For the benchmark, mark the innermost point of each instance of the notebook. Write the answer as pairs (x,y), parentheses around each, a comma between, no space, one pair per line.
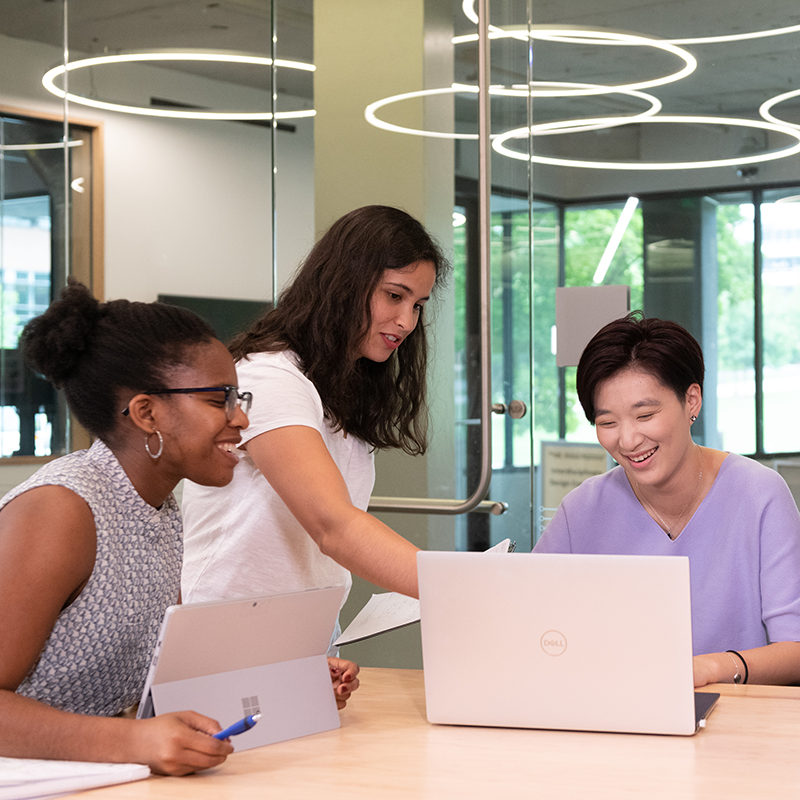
(573,642)
(22,778)
(233,658)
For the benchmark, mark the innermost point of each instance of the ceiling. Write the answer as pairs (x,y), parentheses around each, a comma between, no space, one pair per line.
(111,26)
(732,78)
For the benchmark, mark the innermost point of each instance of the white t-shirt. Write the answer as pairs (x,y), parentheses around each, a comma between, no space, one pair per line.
(241,540)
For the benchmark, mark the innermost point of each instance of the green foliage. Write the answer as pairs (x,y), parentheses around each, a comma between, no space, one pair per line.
(735,332)
(587,234)
(525,274)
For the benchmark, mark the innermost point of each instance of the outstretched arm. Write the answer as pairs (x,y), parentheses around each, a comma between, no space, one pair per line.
(300,469)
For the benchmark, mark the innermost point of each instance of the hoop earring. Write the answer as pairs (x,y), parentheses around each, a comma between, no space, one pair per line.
(154,456)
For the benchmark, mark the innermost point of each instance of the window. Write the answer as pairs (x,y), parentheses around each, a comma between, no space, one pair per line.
(726,266)
(34,263)
(779,322)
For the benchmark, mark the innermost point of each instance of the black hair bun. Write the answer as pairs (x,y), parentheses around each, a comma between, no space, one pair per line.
(55,342)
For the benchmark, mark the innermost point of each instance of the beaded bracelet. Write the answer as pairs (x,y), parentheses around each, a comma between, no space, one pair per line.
(738,674)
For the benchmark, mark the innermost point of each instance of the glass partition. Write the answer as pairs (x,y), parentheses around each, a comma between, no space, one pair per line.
(780,304)
(31,267)
(50,212)
(651,146)
(665,146)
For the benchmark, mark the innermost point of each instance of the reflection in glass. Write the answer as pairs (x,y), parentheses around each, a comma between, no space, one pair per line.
(780,287)
(588,229)
(31,194)
(735,352)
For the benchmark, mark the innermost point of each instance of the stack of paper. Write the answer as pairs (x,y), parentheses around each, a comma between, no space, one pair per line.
(30,777)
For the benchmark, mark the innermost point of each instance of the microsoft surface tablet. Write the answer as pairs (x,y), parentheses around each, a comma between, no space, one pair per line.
(233,658)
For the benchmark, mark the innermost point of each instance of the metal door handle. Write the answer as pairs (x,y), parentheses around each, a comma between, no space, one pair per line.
(475,502)
(516,409)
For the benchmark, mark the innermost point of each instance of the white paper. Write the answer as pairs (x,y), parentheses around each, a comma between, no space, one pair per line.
(389,611)
(383,612)
(30,777)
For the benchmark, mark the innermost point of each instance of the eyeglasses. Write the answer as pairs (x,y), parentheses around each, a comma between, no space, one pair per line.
(233,397)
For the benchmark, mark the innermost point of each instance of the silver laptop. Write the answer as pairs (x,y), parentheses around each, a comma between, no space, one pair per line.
(233,658)
(574,642)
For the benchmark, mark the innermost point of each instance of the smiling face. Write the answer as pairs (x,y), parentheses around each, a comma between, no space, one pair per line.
(395,307)
(646,427)
(199,440)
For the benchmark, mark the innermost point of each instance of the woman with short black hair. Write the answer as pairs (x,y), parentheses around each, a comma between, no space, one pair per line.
(640,382)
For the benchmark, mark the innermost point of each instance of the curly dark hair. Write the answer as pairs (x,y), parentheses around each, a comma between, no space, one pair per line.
(95,351)
(664,349)
(324,315)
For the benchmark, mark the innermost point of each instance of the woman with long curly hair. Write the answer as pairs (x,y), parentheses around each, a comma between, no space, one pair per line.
(337,370)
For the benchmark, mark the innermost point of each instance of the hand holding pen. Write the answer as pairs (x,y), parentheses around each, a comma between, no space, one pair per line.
(238,727)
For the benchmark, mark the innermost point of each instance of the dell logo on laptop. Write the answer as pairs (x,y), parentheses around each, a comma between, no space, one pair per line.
(554,643)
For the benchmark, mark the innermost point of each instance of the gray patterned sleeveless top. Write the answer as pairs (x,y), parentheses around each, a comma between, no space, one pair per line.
(97,657)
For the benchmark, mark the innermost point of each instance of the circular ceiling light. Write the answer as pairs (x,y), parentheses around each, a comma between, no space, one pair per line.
(369,112)
(499,145)
(764,108)
(468,7)
(564,126)
(601,38)
(738,37)
(48,80)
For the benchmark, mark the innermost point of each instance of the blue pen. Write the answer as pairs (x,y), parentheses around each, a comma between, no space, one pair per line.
(238,727)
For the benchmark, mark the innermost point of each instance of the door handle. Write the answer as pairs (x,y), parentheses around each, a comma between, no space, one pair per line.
(516,409)
(475,502)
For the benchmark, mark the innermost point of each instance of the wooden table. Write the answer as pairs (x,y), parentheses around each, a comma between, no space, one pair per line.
(387,749)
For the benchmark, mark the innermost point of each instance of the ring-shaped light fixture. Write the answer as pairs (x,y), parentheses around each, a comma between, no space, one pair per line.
(468,7)
(369,112)
(764,108)
(603,38)
(738,37)
(40,145)
(592,123)
(48,80)
(563,126)
(499,146)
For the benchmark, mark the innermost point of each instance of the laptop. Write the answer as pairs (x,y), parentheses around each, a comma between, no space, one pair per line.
(571,642)
(233,658)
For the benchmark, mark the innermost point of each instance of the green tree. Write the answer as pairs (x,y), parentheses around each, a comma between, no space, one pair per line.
(735,342)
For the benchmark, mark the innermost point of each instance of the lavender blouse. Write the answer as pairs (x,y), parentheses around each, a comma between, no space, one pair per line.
(743,544)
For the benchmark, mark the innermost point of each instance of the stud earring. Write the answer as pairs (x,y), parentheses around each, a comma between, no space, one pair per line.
(154,456)
(694,418)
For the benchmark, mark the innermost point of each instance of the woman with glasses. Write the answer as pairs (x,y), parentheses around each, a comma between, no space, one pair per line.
(90,546)
(337,371)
